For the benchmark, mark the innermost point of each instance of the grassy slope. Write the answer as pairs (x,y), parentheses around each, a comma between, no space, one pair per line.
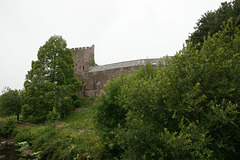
(72,137)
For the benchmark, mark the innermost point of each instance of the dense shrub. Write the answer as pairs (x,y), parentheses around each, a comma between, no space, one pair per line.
(53,116)
(186,110)
(24,136)
(27,111)
(80,104)
(7,129)
(54,144)
(77,103)
(111,112)
(66,106)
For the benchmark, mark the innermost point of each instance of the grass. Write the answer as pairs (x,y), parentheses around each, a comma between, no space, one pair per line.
(73,137)
(5,119)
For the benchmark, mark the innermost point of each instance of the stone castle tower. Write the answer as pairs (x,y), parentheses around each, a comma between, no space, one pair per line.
(83,60)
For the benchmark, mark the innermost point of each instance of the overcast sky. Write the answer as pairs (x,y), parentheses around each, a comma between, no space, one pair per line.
(121,30)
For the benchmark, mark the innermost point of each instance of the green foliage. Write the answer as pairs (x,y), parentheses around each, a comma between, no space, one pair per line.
(29,116)
(93,63)
(10,103)
(77,103)
(24,136)
(211,22)
(188,109)
(109,114)
(66,107)
(50,81)
(53,144)
(109,110)
(7,129)
(223,126)
(72,137)
(80,104)
(53,116)
(23,146)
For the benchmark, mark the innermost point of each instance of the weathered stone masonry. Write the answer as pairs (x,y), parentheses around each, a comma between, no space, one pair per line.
(95,77)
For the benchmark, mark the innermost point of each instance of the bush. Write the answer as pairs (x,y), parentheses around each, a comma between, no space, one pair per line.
(7,129)
(78,103)
(24,135)
(27,111)
(54,144)
(26,155)
(111,111)
(186,110)
(53,116)
(43,135)
(66,107)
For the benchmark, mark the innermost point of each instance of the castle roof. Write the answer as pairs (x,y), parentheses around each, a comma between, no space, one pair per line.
(124,64)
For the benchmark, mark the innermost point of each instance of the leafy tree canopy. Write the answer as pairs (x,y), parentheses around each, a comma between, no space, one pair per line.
(50,80)
(210,23)
(10,103)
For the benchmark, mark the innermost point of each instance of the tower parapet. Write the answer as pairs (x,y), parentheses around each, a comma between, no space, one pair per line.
(83,48)
(83,59)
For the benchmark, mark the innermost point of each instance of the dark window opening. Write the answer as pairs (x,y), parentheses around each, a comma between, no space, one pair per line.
(83,67)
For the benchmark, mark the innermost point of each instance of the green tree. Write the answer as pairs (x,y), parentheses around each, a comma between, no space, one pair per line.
(67,105)
(210,23)
(110,113)
(188,109)
(50,80)
(10,103)
(110,110)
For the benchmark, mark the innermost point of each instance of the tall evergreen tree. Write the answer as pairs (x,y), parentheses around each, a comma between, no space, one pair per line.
(50,80)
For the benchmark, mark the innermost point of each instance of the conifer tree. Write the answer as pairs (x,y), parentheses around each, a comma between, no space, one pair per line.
(50,80)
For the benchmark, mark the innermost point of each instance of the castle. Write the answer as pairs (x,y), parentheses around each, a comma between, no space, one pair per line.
(94,77)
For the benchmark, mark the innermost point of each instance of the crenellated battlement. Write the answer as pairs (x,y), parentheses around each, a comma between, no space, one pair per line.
(83,48)
(83,59)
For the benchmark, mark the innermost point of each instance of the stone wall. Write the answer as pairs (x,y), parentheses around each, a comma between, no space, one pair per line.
(95,77)
(95,81)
